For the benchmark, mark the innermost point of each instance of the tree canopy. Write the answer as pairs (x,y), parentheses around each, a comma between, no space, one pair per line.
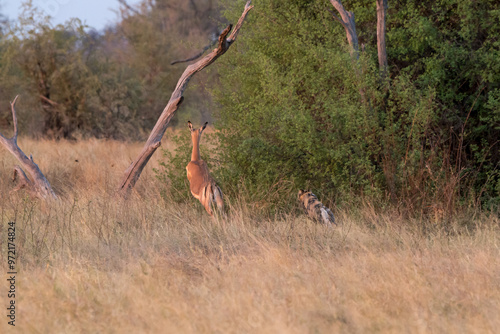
(295,106)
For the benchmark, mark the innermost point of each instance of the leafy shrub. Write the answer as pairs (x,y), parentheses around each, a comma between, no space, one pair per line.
(294,106)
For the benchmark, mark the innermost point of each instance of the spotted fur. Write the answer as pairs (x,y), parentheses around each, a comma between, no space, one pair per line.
(314,208)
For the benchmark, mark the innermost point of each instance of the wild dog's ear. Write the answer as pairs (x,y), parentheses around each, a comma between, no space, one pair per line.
(190,126)
(301,192)
(204,126)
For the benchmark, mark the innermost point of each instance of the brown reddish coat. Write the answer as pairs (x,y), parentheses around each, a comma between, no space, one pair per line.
(201,183)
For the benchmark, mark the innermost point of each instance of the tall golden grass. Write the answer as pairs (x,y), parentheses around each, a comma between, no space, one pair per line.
(92,263)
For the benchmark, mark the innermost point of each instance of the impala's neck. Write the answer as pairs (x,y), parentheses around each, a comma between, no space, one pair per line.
(195,154)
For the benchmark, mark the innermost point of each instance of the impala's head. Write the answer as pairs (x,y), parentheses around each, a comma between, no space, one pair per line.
(196,133)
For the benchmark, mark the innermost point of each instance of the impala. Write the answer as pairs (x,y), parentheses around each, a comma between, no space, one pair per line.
(201,184)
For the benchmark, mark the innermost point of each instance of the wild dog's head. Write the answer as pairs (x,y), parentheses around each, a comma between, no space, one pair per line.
(302,193)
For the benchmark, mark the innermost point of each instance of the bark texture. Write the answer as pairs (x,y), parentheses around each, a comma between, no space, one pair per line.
(133,173)
(38,186)
(382,53)
(348,22)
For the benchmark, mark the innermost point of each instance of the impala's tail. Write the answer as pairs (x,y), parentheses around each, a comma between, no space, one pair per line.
(315,209)
(211,197)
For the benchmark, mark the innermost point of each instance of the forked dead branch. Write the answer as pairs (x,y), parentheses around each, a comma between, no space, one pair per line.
(38,186)
(134,171)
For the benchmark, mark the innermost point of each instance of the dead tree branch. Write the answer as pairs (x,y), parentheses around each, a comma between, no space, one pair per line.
(134,171)
(335,16)
(349,24)
(198,55)
(39,187)
(382,53)
(49,101)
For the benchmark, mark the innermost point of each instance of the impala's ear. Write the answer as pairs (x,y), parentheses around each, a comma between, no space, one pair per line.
(190,126)
(204,126)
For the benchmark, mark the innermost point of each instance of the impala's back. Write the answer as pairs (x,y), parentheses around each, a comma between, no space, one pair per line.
(198,176)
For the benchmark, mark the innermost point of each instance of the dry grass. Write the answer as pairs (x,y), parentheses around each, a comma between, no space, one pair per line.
(94,264)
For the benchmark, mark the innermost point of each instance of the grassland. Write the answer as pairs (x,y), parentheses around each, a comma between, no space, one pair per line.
(91,263)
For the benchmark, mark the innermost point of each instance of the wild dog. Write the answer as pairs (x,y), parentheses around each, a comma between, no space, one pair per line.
(201,183)
(314,208)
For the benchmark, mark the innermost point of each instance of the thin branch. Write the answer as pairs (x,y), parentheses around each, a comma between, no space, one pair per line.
(14,117)
(124,3)
(212,43)
(49,101)
(336,17)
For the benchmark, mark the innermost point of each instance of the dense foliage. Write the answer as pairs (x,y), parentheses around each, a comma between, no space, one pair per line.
(294,108)
(295,105)
(79,82)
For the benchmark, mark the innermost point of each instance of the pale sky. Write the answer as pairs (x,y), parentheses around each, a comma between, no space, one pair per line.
(95,13)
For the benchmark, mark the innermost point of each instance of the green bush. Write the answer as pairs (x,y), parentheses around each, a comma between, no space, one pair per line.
(294,106)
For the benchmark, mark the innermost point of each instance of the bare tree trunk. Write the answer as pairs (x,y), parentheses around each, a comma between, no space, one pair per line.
(382,53)
(39,187)
(348,22)
(133,173)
